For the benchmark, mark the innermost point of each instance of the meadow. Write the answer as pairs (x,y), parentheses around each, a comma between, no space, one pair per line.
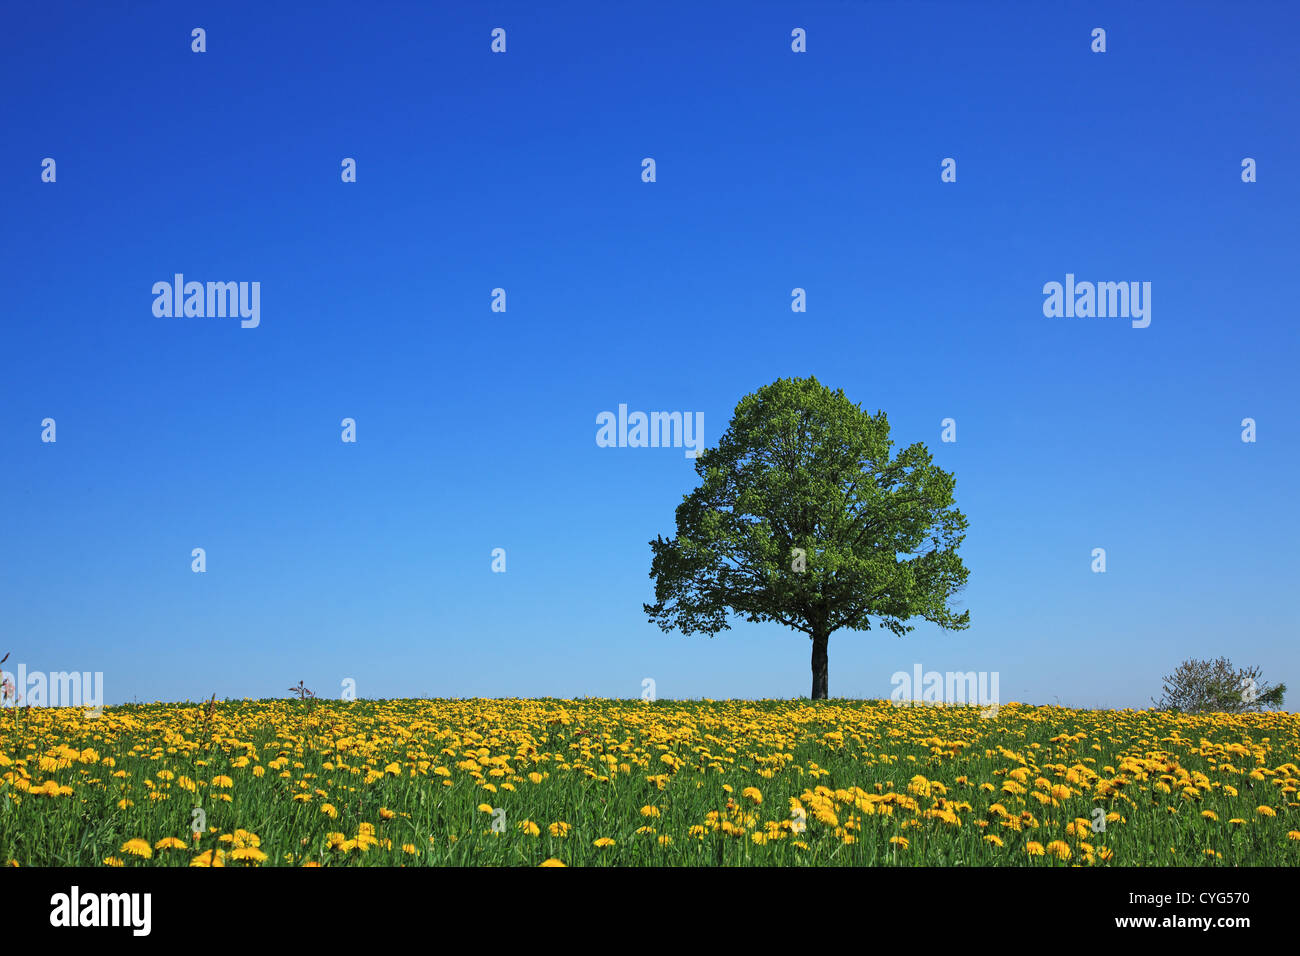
(630,783)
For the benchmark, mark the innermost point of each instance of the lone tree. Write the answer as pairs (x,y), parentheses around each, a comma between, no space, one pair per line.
(1202,686)
(803,517)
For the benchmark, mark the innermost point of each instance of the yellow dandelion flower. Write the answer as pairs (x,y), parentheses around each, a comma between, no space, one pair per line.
(137,847)
(1059,849)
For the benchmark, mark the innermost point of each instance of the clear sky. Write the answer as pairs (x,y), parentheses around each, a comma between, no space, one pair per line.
(476,429)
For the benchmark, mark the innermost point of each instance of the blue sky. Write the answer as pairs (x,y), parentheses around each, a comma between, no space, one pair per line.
(476,430)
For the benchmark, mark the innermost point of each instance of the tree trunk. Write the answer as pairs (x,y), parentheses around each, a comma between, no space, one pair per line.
(820,675)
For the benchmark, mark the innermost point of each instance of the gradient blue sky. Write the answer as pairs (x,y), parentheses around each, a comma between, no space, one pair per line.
(477,430)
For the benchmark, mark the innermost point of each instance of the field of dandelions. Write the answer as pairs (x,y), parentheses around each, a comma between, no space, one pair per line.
(629,783)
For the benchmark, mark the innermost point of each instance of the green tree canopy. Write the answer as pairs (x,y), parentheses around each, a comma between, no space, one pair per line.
(805,517)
